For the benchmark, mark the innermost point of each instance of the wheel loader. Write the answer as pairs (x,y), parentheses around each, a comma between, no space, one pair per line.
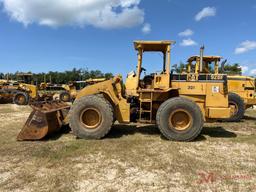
(242,89)
(177,103)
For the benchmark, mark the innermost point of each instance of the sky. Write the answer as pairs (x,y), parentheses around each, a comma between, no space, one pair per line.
(46,35)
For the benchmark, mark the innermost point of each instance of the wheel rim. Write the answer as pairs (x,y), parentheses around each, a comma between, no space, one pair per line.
(91,118)
(21,99)
(234,108)
(180,120)
(65,97)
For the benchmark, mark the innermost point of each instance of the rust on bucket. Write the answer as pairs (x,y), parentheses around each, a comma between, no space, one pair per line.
(45,119)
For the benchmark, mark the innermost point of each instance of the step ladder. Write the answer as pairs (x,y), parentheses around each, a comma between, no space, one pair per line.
(146,108)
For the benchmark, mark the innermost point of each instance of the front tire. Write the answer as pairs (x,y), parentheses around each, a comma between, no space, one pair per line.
(180,119)
(91,117)
(238,107)
(21,98)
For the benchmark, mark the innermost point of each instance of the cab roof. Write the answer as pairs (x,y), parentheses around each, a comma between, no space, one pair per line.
(160,46)
(205,58)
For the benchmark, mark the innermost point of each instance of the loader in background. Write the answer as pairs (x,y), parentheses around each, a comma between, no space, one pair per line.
(67,92)
(20,93)
(72,89)
(62,92)
(242,89)
(177,103)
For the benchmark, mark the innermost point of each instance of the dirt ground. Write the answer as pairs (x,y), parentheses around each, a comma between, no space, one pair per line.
(131,158)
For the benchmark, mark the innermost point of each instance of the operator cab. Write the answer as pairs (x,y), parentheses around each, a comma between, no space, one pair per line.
(136,81)
(210,64)
(204,68)
(26,78)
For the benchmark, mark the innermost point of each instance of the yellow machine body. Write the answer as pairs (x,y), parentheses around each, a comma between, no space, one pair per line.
(163,86)
(29,88)
(154,89)
(243,86)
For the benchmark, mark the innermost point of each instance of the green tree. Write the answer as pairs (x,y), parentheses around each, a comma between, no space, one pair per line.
(62,77)
(233,69)
(179,68)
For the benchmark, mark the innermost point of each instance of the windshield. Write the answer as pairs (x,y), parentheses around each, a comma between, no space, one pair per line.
(208,66)
(152,63)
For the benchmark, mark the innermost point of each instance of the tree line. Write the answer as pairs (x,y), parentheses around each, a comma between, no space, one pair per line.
(84,74)
(60,77)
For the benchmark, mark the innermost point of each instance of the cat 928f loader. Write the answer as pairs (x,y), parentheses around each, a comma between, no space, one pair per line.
(175,103)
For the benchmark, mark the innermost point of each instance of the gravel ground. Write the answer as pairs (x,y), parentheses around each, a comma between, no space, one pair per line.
(130,158)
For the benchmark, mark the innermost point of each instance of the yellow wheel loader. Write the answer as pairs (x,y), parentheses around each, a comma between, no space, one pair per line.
(241,88)
(178,104)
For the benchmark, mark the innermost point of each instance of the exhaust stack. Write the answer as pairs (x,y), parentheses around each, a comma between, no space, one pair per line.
(201,58)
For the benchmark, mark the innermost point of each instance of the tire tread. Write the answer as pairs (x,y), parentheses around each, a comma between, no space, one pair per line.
(173,101)
(92,98)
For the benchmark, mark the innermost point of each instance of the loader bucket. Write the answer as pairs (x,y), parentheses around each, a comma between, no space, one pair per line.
(45,119)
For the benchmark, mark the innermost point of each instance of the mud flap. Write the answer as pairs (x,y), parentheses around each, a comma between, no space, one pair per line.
(45,119)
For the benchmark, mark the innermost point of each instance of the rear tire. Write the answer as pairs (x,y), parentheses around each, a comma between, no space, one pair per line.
(65,97)
(91,117)
(238,106)
(180,119)
(21,98)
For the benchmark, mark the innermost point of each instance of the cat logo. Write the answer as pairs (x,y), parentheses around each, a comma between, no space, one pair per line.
(191,77)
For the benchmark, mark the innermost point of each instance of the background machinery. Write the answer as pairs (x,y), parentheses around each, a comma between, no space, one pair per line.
(241,88)
(21,91)
(72,89)
(177,103)
(67,92)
